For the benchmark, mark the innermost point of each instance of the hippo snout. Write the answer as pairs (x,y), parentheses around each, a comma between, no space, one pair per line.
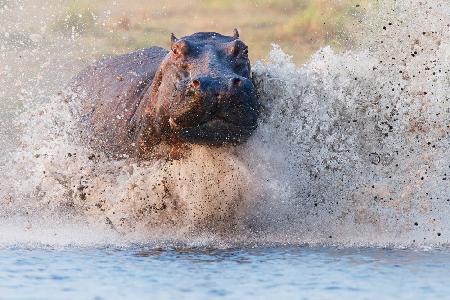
(205,83)
(216,110)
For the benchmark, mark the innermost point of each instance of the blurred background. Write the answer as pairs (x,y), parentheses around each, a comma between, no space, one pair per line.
(299,26)
(116,26)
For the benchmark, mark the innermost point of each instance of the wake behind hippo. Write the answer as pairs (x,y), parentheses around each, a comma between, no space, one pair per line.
(199,92)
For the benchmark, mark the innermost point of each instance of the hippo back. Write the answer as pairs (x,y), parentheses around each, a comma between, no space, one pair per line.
(106,95)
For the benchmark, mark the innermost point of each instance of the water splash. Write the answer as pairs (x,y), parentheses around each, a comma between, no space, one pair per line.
(353,149)
(362,138)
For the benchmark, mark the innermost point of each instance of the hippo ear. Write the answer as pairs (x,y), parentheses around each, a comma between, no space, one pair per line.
(235,33)
(173,38)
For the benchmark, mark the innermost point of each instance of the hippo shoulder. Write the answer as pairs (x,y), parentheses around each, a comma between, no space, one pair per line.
(140,62)
(106,94)
(112,76)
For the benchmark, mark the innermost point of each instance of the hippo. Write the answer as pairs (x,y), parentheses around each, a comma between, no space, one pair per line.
(199,92)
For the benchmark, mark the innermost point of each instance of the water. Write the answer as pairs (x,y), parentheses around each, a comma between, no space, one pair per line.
(206,273)
(342,192)
(352,150)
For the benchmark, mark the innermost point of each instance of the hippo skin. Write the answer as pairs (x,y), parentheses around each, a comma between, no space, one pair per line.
(199,92)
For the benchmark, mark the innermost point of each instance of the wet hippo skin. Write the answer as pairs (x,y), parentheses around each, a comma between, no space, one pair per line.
(199,92)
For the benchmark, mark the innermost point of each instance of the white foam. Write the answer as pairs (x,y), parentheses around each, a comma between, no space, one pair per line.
(352,149)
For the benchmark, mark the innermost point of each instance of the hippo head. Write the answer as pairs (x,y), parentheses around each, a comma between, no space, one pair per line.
(203,92)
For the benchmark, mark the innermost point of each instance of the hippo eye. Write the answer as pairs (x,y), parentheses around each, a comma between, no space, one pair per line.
(234,50)
(177,51)
(180,48)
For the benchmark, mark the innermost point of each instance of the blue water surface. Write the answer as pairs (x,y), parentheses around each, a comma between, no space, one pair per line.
(141,272)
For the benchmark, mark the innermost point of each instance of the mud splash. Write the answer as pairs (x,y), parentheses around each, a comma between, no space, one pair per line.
(353,149)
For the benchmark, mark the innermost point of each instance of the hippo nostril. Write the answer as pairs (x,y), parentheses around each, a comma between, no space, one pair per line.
(236,81)
(195,84)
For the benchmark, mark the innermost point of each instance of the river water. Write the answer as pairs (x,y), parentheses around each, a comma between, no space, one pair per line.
(146,272)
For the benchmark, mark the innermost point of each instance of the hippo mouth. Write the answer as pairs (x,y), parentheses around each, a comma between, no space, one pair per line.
(217,115)
(215,132)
